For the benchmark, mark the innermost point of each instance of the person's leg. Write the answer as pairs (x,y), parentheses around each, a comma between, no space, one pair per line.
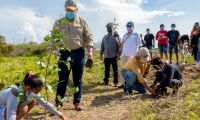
(170,53)
(62,82)
(176,52)
(150,48)
(115,70)
(130,79)
(161,51)
(23,109)
(165,49)
(139,87)
(107,63)
(175,85)
(77,71)
(198,56)
(195,50)
(181,50)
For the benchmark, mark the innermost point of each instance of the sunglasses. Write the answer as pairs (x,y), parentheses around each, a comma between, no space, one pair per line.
(129,26)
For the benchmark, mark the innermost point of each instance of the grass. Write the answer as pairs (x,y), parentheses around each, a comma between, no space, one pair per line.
(100,99)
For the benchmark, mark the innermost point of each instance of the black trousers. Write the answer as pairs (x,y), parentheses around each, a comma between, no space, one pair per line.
(195,52)
(108,62)
(77,67)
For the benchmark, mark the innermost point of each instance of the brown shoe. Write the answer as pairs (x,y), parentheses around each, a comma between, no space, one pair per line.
(78,107)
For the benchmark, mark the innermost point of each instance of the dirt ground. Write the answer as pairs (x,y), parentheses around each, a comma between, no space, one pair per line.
(109,103)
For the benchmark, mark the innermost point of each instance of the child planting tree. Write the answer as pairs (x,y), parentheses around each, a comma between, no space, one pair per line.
(15,103)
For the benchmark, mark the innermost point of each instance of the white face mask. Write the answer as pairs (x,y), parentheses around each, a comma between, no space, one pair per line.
(173,28)
(130,29)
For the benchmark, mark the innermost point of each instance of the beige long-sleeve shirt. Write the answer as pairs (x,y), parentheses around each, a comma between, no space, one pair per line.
(76,34)
(134,64)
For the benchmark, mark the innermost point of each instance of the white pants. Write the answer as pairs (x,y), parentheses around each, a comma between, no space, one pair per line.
(2,112)
(123,61)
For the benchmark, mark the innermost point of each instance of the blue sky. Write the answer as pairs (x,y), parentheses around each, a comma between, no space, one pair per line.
(31,20)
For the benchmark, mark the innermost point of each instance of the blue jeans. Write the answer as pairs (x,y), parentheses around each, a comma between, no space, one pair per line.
(77,67)
(131,82)
(163,48)
(198,54)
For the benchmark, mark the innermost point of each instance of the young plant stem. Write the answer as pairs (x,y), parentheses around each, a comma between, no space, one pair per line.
(46,89)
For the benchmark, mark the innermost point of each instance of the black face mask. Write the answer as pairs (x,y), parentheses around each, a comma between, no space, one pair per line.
(109,29)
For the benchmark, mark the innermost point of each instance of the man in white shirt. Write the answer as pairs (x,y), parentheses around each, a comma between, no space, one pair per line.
(131,41)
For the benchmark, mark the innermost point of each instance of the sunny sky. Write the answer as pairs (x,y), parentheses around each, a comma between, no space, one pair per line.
(31,20)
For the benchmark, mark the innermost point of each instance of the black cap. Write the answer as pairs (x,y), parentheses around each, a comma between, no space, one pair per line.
(148,29)
(109,25)
(130,23)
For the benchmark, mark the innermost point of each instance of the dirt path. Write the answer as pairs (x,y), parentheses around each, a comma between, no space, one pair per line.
(109,103)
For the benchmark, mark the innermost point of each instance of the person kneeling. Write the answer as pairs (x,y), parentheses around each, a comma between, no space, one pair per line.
(167,75)
(135,70)
(15,103)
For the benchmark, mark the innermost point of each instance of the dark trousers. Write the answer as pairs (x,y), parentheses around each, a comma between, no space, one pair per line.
(77,67)
(195,52)
(108,62)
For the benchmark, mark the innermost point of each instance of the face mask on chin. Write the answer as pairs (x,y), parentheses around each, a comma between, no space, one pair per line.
(109,30)
(173,28)
(162,28)
(130,29)
(70,15)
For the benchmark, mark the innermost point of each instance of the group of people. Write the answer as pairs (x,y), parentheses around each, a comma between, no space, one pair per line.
(135,56)
(136,59)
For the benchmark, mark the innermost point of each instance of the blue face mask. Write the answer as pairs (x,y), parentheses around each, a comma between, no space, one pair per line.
(70,15)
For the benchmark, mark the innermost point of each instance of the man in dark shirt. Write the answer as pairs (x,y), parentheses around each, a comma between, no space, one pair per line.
(168,75)
(173,36)
(110,50)
(150,42)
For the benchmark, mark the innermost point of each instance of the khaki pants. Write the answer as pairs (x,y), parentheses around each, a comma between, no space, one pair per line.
(123,61)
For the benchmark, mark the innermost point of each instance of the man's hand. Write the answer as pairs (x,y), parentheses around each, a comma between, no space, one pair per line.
(152,91)
(89,63)
(101,58)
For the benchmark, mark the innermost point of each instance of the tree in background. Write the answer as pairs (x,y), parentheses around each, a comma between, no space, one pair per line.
(5,48)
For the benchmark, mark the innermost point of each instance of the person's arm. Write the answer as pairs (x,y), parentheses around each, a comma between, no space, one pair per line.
(138,41)
(142,81)
(11,107)
(88,38)
(153,41)
(102,49)
(48,106)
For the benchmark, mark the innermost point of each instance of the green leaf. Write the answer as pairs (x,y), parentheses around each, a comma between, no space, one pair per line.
(20,97)
(47,38)
(50,88)
(64,99)
(64,22)
(59,98)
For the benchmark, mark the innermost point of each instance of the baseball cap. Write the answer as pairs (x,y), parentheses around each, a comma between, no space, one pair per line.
(109,25)
(71,5)
(130,23)
(144,54)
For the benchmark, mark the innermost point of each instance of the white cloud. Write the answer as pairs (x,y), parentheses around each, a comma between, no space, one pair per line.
(132,10)
(27,23)
(176,14)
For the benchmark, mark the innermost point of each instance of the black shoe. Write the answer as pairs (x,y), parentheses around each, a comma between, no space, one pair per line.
(121,87)
(130,92)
